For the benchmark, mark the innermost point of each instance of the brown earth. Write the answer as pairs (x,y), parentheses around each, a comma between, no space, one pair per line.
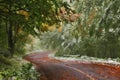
(57,69)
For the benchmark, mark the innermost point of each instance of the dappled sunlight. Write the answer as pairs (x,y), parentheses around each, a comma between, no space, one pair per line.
(84,35)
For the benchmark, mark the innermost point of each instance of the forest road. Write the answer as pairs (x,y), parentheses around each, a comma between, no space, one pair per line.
(51,68)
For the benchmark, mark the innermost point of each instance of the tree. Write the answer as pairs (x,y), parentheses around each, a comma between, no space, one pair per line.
(21,18)
(95,33)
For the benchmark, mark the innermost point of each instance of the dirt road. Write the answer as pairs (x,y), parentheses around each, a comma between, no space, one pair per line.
(57,69)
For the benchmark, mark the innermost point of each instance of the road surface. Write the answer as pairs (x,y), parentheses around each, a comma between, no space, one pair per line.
(57,69)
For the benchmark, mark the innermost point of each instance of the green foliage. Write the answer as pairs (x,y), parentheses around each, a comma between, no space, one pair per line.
(3,38)
(4,61)
(95,33)
(23,72)
(19,19)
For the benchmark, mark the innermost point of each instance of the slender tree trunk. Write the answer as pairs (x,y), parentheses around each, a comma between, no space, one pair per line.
(10,38)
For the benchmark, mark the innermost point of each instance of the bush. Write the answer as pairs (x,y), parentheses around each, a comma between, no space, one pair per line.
(24,72)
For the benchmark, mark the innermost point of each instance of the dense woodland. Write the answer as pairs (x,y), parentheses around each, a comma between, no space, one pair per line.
(69,27)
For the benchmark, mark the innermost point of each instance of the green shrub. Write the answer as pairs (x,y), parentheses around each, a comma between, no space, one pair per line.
(24,72)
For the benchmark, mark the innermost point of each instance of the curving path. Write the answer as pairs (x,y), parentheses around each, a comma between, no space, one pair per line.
(55,69)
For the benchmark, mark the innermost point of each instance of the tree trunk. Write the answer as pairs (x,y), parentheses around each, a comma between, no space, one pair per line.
(10,38)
